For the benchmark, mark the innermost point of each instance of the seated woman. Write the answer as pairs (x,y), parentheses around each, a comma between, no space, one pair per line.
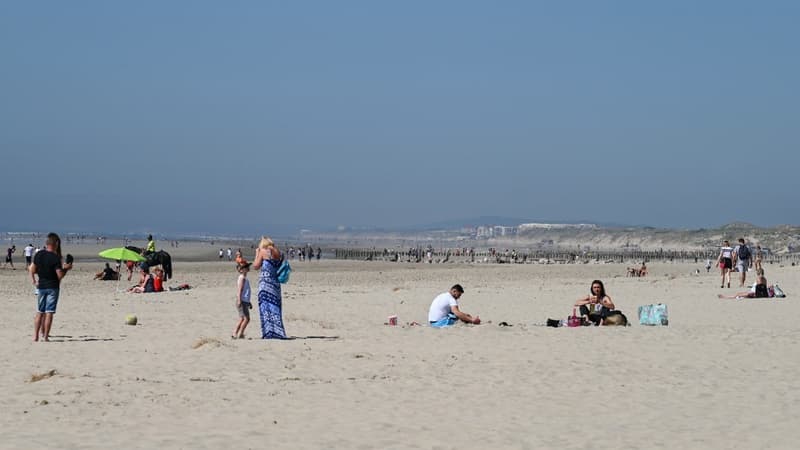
(107,274)
(146,283)
(759,289)
(597,305)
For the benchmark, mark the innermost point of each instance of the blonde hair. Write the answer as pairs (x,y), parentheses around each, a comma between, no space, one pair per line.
(266,242)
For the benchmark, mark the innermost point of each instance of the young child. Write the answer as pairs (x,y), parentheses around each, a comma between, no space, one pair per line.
(158,281)
(243,304)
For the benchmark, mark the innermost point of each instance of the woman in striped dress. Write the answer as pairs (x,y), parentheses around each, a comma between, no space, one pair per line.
(267,260)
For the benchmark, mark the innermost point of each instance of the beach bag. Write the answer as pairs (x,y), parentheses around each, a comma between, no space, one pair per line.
(778,291)
(574,320)
(655,314)
(284,270)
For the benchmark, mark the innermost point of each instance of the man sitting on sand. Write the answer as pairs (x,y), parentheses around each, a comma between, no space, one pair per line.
(107,274)
(444,310)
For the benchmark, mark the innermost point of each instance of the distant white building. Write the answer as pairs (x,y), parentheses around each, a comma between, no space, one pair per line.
(484,232)
(504,231)
(555,226)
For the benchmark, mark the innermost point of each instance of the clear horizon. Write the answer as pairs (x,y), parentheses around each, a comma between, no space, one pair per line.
(204,116)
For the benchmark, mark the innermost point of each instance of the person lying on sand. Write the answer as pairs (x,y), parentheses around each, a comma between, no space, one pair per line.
(444,310)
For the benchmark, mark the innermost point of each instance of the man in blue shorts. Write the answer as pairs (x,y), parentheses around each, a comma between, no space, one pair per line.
(444,310)
(48,265)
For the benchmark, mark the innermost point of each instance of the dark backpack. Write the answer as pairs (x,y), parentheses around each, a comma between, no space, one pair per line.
(743,252)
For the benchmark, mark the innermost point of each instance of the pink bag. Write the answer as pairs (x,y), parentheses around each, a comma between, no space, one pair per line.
(573,320)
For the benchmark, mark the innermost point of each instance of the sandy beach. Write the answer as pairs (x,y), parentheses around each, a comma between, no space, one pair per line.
(721,375)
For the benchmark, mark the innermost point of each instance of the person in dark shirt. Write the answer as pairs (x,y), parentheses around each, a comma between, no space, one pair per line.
(107,274)
(11,250)
(50,269)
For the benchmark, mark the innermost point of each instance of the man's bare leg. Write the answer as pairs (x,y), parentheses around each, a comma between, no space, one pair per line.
(48,322)
(37,326)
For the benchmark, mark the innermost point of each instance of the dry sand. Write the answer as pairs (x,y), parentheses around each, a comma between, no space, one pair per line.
(722,375)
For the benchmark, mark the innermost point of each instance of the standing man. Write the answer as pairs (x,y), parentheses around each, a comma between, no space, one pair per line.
(744,260)
(47,264)
(725,262)
(28,255)
(444,310)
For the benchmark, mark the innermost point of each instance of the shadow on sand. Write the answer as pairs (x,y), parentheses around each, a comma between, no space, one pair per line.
(325,338)
(79,339)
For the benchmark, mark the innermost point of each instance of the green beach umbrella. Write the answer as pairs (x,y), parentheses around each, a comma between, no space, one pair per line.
(121,254)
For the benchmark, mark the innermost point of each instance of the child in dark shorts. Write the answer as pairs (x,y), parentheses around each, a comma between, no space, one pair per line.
(243,305)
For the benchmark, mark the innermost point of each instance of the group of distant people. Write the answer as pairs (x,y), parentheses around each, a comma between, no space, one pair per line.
(28,252)
(637,272)
(740,257)
(148,282)
(305,253)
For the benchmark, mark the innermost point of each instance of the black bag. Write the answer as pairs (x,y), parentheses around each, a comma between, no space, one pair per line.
(553,323)
(743,252)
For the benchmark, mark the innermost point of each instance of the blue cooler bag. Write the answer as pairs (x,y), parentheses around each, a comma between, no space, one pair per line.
(653,314)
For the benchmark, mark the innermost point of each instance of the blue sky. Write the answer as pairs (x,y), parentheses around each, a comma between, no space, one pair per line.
(235,116)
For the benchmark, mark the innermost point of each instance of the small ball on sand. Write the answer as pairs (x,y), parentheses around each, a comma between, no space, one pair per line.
(130,319)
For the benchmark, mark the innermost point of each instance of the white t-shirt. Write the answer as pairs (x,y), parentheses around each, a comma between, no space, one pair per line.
(246,288)
(440,307)
(29,251)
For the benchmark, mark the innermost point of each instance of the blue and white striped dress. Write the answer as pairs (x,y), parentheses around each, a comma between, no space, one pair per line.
(270,300)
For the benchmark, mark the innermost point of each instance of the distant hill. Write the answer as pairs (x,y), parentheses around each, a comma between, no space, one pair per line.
(780,239)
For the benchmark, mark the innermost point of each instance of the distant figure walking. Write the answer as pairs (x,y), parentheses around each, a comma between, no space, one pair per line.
(267,259)
(759,258)
(744,261)
(11,250)
(725,262)
(28,252)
